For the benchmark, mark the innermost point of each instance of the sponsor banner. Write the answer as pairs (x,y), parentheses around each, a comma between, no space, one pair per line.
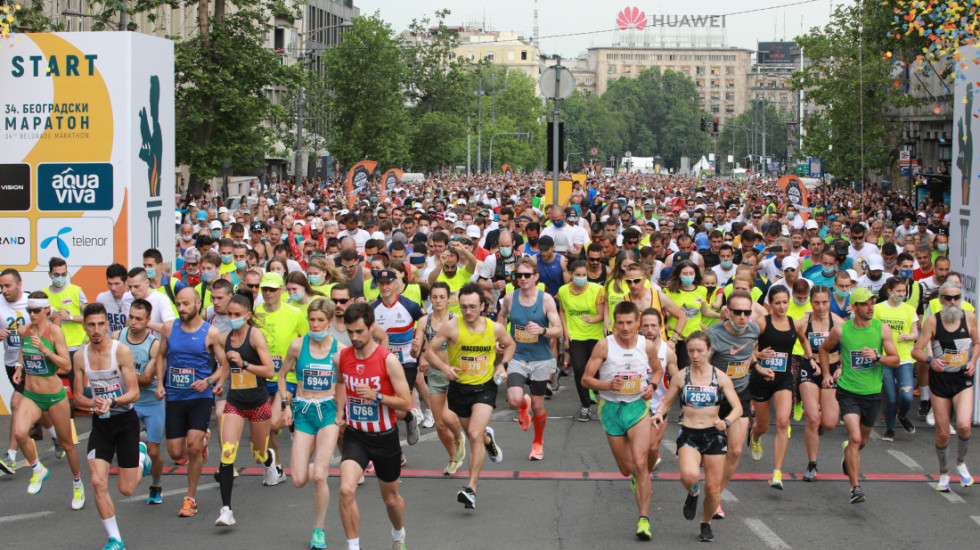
(508,172)
(796,191)
(74,186)
(80,241)
(357,179)
(15,187)
(15,241)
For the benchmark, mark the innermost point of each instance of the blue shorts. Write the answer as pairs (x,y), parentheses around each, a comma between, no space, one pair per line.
(153,416)
(273,388)
(312,416)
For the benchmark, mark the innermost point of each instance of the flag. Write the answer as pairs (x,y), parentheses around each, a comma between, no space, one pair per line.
(796,191)
(508,172)
(357,179)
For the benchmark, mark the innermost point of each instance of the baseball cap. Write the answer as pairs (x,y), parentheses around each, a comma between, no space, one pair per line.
(861,295)
(178,218)
(922,221)
(256,226)
(215,224)
(571,213)
(876,263)
(271,280)
(378,236)
(459,225)
(451,217)
(648,205)
(473,231)
(561,242)
(546,243)
(811,224)
(222,210)
(790,262)
(202,215)
(386,276)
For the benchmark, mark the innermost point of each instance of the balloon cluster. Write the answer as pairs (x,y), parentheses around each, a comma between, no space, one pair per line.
(7,19)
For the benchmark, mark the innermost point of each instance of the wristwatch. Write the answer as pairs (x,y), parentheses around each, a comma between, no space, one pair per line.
(728,423)
(379,397)
(209,381)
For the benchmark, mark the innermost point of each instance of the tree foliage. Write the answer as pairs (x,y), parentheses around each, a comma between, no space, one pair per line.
(747,128)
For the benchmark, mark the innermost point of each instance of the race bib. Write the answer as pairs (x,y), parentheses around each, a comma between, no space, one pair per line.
(777,363)
(858,362)
(317,378)
(13,339)
(181,378)
(112,391)
(523,336)
(738,369)
(700,396)
(956,359)
(816,339)
(242,380)
(277,362)
(35,365)
(362,410)
(693,312)
(474,366)
(631,382)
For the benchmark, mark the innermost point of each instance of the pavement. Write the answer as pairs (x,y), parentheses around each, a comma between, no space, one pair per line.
(573,499)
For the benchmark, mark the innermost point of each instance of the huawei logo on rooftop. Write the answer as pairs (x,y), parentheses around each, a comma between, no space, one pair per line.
(631,18)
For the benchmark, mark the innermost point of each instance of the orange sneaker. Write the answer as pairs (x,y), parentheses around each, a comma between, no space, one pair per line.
(188,509)
(181,461)
(537,451)
(204,449)
(524,413)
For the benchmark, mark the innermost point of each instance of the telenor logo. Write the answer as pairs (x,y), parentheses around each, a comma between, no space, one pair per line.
(62,245)
(631,18)
(76,186)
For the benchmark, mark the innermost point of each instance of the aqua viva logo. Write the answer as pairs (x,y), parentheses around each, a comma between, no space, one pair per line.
(74,186)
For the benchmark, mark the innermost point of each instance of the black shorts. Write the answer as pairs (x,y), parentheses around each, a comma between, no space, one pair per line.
(948,384)
(744,397)
(120,433)
(867,406)
(462,397)
(411,373)
(806,374)
(19,388)
(537,387)
(383,449)
(762,390)
(184,416)
(707,441)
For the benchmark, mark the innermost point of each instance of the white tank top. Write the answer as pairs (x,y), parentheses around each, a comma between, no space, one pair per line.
(661,391)
(632,365)
(108,383)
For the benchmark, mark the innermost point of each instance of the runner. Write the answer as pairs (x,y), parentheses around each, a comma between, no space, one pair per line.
(13,315)
(250,365)
(625,371)
(43,354)
(583,311)
(472,352)
(952,334)
(861,340)
(313,412)
(651,325)
(185,378)
(533,321)
(701,438)
(898,383)
(374,388)
(105,381)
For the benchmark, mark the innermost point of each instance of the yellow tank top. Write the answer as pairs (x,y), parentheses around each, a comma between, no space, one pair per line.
(474,354)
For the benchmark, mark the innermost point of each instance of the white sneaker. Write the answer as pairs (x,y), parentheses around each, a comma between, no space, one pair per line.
(412,426)
(271,476)
(943,485)
(930,419)
(225,518)
(965,478)
(78,497)
(493,450)
(429,420)
(952,430)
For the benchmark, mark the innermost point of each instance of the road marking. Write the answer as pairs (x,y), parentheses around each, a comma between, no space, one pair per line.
(905,459)
(424,437)
(976,519)
(952,497)
(670,445)
(172,493)
(18,517)
(763,531)
(727,496)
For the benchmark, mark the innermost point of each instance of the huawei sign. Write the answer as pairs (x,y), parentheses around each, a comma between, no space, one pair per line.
(631,18)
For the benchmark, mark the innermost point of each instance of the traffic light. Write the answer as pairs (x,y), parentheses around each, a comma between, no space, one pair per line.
(748,161)
(704,124)
(714,125)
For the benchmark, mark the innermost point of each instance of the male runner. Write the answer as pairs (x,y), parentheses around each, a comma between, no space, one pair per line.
(110,391)
(374,388)
(13,315)
(651,322)
(472,348)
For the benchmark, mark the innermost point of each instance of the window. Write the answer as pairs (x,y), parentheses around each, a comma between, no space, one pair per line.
(729,96)
(700,82)
(523,55)
(510,55)
(612,56)
(715,71)
(699,70)
(730,83)
(279,40)
(730,71)
(490,55)
(612,69)
(729,109)
(715,83)
(715,109)
(715,96)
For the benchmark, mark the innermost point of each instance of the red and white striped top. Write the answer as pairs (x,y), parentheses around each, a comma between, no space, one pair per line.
(364,415)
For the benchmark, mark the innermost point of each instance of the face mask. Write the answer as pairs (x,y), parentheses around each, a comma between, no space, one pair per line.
(187,238)
(59,281)
(299,239)
(532,242)
(216,234)
(615,212)
(842,294)
(790,215)
(739,330)
(687,281)
(318,336)
(316,280)
(890,265)
(942,247)
(424,230)
(727,265)
(709,226)
(236,324)
(580,281)
(560,223)
(151,273)
(897,298)
(227,259)
(296,296)
(208,276)
(191,272)
(905,273)
(799,303)
(829,272)
(506,251)
(240,264)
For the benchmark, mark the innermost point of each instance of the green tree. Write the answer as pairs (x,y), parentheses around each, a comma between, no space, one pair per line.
(590,124)
(508,104)
(437,78)
(438,140)
(736,137)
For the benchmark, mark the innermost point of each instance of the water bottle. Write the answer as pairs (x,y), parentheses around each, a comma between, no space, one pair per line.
(499,379)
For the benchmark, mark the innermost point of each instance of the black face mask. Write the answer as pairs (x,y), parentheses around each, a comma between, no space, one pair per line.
(532,242)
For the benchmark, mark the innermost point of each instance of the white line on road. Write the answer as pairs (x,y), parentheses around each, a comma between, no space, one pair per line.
(727,496)
(763,531)
(8,519)
(952,497)
(905,459)
(976,519)
(172,493)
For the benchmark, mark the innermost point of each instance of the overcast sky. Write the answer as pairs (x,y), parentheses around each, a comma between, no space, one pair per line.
(587,19)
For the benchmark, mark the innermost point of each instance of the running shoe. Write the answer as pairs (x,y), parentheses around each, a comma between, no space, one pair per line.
(592,397)
(555,381)
(181,461)
(459,451)
(270,477)
(370,468)
(524,413)
(633,483)
(156,495)
(952,429)
(691,503)
(37,480)
(965,478)
(907,424)
(797,411)
(412,426)
(943,485)
(188,508)
(451,468)
(706,534)
(147,463)
(537,451)
(930,418)
(114,544)
(643,529)
(843,460)
(924,407)
(564,369)
(467,497)
(811,472)
(777,480)
(584,415)
(360,480)
(789,432)
(398,544)
(857,495)
(78,497)
(8,466)
(404,461)
(59,453)
(225,518)
(655,464)
(493,450)
(756,449)
(719,513)
(889,435)
(204,448)
(319,540)
(429,420)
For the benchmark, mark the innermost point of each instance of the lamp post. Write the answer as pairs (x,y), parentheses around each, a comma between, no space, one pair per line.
(518,134)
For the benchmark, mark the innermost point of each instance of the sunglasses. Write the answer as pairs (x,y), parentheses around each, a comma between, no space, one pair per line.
(594,260)
(352,266)
(633,241)
(952,297)
(34,310)
(741,312)
(341,301)
(252,286)
(634,281)
(523,275)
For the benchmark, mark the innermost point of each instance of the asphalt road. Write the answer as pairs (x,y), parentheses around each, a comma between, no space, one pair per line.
(574,499)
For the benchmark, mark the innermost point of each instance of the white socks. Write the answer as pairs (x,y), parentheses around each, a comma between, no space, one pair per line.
(111,528)
(51,431)
(354,544)
(12,455)
(924,393)
(397,535)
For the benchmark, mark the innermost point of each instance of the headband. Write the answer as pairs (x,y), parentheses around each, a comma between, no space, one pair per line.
(37,302)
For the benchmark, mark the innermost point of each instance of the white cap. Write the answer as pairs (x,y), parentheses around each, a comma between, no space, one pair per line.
(473,231)
(222,210)
(791,261)
(853,274)
(377,235)
(811,224)
(785,231)
(461,201)
(178,217)
(451,217)
(685,215)
(876,263)
(215,224)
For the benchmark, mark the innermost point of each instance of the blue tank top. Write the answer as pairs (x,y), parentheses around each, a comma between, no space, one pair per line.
(550,274)
(141,356)
(530,347)
(315,375)
(187,362)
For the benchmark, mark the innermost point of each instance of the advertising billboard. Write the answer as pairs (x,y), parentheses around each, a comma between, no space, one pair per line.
(775,53)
